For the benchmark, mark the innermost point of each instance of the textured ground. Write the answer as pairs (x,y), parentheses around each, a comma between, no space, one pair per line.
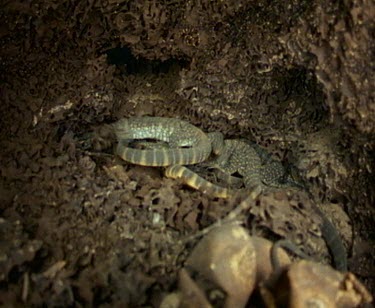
(85,228)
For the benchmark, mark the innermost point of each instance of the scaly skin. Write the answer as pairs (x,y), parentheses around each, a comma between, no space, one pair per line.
(236,157)
(242,158)
(187,143)
(333,242)
(195,181)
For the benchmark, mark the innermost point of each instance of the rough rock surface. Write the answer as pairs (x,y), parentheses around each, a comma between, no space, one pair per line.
(80,227)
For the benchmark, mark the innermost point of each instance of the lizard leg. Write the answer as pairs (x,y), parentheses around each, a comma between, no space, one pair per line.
(230,180)
(217,142)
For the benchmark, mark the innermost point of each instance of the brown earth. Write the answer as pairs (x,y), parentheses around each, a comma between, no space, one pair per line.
(81,227)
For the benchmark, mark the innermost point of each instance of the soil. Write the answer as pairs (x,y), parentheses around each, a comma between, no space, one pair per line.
(80,227)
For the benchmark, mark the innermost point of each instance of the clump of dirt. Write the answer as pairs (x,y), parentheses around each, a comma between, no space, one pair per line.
(83,227)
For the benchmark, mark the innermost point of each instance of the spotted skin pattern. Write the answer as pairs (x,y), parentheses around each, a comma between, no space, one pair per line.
(186,144)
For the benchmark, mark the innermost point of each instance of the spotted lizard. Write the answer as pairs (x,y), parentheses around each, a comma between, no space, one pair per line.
(237,157)
(189,145)
(258,170)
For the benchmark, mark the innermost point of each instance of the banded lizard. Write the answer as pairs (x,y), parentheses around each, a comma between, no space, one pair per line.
(189,145)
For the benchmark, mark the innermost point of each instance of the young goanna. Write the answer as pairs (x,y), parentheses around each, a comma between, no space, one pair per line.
(242,158)
(187,144)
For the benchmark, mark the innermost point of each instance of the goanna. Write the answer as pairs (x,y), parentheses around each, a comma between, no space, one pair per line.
(186,144)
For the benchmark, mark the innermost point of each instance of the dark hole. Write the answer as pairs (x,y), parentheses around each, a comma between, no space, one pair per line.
(289,227)
(237,175)
(155,201)
(111,218)
(301,205)
(124,59)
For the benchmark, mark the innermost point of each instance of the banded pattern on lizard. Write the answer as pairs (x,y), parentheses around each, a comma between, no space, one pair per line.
(259,170)
(187,143)
(233,156)
(237,157)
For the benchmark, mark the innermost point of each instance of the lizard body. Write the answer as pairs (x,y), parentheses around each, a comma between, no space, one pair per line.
(256,170)
(237,157)
(187,143)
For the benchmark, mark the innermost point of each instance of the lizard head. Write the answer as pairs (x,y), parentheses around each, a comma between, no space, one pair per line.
(274,174)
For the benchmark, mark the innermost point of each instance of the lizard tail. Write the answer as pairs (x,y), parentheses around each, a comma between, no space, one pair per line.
(335,245)
(195,181)
(332,238)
